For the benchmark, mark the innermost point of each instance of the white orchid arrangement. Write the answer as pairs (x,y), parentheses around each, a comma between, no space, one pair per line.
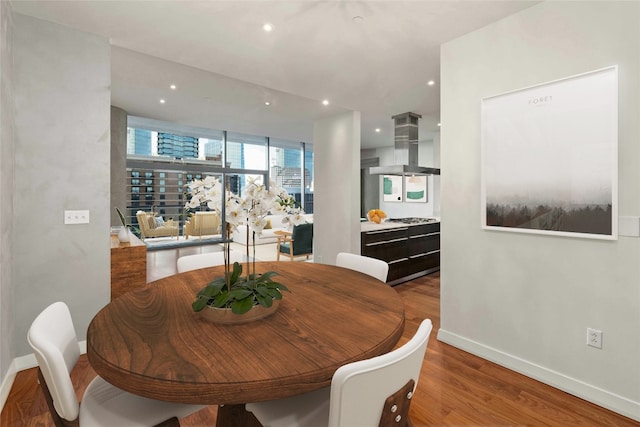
(249,210)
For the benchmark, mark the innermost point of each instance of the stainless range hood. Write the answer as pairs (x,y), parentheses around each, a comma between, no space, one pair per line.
(406,149)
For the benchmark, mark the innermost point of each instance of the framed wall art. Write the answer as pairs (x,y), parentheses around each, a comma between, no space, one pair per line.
(415,189)
(549,157)
(391,188)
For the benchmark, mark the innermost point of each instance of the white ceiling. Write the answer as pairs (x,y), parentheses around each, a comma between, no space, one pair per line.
(226,66)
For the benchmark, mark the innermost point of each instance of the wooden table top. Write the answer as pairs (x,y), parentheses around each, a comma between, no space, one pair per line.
(150,342)
(282,233)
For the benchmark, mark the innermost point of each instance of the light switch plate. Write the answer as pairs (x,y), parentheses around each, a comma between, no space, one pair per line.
(76,217)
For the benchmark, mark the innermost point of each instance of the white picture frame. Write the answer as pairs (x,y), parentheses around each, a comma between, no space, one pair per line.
(550,157)
(415,189)
(391,188)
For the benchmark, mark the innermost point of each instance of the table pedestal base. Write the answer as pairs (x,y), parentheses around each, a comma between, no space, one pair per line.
(235,416)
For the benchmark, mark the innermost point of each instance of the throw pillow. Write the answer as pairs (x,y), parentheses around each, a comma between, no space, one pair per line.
(267,226)
(159,221)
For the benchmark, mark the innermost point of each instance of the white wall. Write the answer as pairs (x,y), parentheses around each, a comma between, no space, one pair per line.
(62,102)
(526,300)
(336,199)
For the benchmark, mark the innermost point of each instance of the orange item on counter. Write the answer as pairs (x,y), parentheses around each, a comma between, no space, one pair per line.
(376,215)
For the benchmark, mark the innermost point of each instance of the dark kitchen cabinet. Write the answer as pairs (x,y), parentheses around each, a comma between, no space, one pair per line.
(411,251)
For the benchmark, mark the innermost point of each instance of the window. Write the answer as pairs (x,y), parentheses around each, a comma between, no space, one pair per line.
(288,170)
(210,149)
(308,184)
(157,181)
(246,151)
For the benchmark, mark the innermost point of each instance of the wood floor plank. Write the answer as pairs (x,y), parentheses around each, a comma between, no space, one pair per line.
(455,388)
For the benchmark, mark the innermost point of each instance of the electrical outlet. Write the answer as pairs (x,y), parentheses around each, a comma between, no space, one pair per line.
(76,217)
(594,338)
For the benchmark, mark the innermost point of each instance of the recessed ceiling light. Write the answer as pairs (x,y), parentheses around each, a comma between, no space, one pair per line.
(162,101)
(325,102)
(431,82)
(377,129)
(267,27)
(267,103)
(173,87)
(357,19)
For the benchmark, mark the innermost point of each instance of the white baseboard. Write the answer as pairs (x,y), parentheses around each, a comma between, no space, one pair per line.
(7,383)
(585,391)
(20,364)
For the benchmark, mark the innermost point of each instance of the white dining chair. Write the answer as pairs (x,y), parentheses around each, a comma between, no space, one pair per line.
(208,259)
(369,393)
(53,340)
(364,264)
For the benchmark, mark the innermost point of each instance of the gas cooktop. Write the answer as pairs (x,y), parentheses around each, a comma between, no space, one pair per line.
(412,220)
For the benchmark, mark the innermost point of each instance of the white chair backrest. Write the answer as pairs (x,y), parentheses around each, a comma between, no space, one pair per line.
(371,266)
(53,339)
(209,259)
(359,389)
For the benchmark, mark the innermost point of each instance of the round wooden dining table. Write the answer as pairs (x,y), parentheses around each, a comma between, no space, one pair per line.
(150,342)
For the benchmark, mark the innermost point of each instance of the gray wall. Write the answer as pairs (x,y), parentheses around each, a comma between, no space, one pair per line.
(62,102)
(6,190)
(118,163)
(369,185)
(526,300)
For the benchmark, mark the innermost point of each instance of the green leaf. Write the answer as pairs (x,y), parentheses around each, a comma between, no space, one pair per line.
(122,219)
(239,294)
(237,270)
(242,306)
(221,299)
(275,285)
(265,301)
(199,304)
(266,277)
(217,281)
(246,284)
(210,290)
(274,293)
(262,291)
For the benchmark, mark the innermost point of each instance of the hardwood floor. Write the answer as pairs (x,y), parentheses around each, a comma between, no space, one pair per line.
(455,388)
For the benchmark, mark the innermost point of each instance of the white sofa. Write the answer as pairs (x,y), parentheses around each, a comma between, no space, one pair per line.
(268,235)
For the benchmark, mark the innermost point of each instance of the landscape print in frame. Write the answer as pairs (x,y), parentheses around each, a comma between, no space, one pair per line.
(550,156)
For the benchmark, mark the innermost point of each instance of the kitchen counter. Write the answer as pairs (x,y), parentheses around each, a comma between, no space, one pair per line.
(372,226)
(411,248)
